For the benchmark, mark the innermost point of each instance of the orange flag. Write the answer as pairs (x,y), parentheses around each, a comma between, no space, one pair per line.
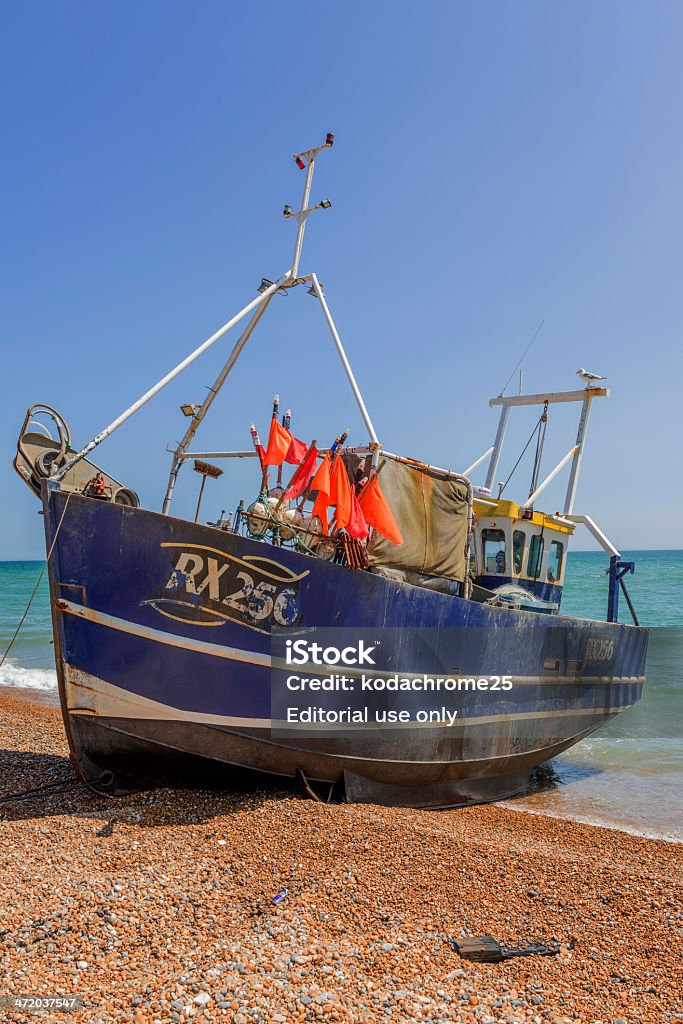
(377,512)
(321,484)
(279,441)
(340,493)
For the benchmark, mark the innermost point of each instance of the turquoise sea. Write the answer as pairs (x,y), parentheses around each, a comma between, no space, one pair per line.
(629,775)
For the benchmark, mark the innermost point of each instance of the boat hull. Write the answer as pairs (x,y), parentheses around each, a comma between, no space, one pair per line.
(163,633)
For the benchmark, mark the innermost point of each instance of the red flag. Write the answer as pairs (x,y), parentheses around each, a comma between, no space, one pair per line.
(303,474)
(279,441)
(356,526)
(296,451)
(377,512)
(340,493)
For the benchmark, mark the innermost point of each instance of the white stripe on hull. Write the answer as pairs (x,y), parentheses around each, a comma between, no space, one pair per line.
(87,694)
(264,660)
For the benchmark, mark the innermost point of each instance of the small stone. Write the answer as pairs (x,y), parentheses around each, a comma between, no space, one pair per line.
(202,998)
(81,964)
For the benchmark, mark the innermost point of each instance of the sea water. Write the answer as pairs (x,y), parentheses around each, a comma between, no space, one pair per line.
(628,775)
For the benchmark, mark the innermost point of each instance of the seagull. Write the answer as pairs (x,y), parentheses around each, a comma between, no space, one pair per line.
(589,378)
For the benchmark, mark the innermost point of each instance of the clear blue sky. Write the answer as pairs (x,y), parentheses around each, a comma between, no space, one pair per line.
(496,165)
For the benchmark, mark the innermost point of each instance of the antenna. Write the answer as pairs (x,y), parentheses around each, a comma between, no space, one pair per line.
(521,360)
(306,159)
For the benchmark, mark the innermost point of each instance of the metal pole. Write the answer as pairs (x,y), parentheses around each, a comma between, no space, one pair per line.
(345,363)
(360,450)
(613,591)
(551,476)
(206,404)
(576,464)
(629,602)
(169,377)
(596,532)
(302,216)
(199,501)
(497,445)
(466,472)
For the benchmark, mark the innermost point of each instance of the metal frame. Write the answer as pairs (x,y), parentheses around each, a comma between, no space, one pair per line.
(585,396)
(616,572)
(206,404)
(617,568)
(258,307)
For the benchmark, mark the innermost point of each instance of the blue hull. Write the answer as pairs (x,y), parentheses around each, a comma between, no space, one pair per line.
(163,641)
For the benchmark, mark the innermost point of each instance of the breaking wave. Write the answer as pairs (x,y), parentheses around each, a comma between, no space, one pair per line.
(12,674)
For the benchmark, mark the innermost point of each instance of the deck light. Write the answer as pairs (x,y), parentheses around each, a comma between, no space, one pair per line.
(287,212)
(300,163)
(264,286)
(329,141)
(325,204)
(312,291)
(188,410)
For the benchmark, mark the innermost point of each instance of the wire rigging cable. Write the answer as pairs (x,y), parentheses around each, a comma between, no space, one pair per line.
(35,589)
(537,429)
(540,441)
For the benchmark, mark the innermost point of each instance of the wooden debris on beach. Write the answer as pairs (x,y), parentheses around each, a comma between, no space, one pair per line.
(486,949)
(483,949)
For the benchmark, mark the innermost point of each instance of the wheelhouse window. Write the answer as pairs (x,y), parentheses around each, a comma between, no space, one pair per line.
(533,566)
(493,550)
(555,561)
(518,542)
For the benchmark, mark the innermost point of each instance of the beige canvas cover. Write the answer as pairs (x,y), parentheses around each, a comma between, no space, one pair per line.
(432,515)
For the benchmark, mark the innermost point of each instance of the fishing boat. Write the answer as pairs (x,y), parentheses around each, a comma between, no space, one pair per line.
(173,637)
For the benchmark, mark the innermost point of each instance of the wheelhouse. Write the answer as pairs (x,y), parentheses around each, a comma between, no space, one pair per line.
(515,546)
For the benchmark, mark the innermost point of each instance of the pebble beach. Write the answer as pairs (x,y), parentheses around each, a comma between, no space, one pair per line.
(158,907)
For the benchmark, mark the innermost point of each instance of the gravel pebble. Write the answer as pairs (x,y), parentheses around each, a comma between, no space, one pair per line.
(158,907)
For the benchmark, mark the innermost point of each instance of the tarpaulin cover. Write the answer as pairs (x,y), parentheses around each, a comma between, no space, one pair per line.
(431,513)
